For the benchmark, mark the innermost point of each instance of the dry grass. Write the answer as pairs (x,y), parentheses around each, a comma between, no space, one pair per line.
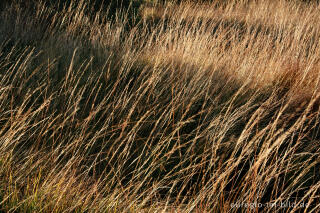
(183,108)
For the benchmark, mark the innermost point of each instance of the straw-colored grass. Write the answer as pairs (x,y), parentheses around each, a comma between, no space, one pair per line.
(191,107)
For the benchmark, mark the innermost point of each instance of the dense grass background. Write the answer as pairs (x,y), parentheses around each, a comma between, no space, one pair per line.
(159,106)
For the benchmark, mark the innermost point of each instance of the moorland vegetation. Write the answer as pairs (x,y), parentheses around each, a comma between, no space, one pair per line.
(159,106)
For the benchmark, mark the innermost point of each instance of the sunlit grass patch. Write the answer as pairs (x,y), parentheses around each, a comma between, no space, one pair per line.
(178,108)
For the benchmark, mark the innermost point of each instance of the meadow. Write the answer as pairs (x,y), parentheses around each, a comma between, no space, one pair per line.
(156,106)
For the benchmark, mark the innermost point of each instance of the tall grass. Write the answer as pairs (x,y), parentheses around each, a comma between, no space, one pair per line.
(190,107)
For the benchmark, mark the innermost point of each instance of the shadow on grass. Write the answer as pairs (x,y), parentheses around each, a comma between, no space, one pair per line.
(139,123)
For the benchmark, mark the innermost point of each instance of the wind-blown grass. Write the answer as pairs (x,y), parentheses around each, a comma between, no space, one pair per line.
(183,107)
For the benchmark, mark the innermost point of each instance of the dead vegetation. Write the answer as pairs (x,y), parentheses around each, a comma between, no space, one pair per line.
(182,108)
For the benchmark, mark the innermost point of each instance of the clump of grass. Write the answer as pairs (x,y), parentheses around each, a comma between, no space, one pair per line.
(199,108)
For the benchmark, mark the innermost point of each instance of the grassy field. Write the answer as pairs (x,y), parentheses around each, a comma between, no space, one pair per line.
(189,107)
